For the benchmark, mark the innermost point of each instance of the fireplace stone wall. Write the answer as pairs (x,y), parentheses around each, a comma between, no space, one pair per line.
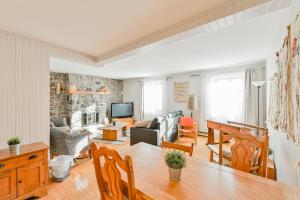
(75,106)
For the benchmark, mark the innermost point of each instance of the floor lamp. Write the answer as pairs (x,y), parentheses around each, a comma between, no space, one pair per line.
(258,85)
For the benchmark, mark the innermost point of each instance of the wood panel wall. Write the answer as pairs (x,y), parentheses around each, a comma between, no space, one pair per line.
(24,86)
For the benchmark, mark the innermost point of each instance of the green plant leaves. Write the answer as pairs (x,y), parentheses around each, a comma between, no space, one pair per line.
(175,159)
(13,141)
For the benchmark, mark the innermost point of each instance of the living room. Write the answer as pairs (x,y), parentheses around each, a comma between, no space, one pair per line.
(202,94)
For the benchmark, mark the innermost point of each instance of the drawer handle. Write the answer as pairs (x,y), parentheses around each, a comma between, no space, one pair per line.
(33,156)
(2,165)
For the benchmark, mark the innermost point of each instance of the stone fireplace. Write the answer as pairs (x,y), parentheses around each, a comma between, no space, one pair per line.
(85,109)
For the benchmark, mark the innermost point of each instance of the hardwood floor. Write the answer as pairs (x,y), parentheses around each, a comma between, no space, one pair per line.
(81,184)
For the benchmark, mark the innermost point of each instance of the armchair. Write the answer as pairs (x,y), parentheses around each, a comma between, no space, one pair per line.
(187,127)
(64,141)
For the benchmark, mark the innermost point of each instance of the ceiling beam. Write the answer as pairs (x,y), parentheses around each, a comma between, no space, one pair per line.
(226,9)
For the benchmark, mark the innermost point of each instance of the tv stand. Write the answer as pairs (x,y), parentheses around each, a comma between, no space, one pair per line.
(130,121)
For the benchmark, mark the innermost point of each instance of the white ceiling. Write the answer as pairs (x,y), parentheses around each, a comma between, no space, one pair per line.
(240,43)
(95,26)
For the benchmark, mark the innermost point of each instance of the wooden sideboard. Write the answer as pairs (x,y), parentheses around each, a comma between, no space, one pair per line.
(130,121)
(26,174)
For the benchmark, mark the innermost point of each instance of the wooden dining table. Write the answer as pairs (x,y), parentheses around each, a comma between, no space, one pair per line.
(199,180)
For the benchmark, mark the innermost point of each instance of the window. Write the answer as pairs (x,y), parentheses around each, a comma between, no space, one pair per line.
(153,98)
(225,96)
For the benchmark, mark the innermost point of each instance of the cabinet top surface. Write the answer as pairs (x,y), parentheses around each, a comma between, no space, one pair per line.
(24,149)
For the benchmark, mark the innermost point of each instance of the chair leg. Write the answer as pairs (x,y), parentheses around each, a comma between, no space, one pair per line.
(195,138)
(211,155)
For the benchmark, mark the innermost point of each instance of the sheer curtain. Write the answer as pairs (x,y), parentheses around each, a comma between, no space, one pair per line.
(225,96)
(153,98)
(140,110)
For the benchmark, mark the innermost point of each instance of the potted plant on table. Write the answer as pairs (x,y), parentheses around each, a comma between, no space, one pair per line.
(175,160)
(14,144)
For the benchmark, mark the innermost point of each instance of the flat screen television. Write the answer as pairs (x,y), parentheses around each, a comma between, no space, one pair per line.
(121,110)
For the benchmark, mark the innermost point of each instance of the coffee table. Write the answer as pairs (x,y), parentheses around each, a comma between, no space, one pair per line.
(111,132)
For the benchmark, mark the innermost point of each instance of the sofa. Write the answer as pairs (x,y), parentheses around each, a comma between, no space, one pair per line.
(64,141)
(162,126)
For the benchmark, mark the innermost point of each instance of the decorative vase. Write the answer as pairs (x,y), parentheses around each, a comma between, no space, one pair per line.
(174,174)
(14,148)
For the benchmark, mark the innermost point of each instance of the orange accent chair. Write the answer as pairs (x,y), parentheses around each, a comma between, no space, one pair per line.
(188,128)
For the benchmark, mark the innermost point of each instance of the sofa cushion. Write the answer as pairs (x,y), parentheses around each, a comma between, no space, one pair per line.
(172,114)
(154,123)
(143,124)
(178,113)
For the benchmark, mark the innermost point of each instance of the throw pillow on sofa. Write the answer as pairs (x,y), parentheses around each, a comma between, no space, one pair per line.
(143,124)
(154,123)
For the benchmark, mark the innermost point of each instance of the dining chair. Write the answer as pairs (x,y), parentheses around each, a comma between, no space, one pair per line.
(107,163)
(248,152)
(179,147)
(188,128)
(219,151)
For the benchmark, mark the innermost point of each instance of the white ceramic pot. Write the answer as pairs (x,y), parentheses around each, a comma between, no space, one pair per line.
(174,174)
(14,148)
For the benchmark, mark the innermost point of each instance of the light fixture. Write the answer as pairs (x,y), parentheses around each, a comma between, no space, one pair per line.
(258,83)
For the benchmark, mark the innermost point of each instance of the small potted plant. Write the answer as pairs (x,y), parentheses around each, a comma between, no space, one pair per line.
(270,154)
(175,160)
(14,144)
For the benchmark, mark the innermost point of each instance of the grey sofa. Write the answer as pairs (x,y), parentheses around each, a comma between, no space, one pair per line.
(162,126)
(64,141)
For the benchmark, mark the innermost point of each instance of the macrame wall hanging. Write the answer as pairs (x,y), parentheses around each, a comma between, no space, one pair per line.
(284,102)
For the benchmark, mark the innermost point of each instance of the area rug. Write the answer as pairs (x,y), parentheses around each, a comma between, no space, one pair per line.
(121,140)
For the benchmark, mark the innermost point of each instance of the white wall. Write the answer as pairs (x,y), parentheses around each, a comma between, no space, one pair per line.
(286,152)
(131,94)
(24,86)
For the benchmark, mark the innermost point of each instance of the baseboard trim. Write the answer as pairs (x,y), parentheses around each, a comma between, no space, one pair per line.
(202,134)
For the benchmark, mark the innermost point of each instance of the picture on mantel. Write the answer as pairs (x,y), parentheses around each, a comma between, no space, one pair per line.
(181,91)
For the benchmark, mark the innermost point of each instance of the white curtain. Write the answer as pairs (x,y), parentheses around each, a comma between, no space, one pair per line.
(141,100)
(222,97)
(225,96)
(153,98)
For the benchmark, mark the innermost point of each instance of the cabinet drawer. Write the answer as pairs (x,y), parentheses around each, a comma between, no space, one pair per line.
(6,165)
(16,162)
(30,158)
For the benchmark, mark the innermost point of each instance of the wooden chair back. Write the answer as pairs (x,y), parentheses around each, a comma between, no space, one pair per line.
(107,163)
(186,121)
(249,152)
(260,130)
(179,147)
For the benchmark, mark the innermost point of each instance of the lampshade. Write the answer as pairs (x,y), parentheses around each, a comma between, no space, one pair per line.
(258,83)
(193,102)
